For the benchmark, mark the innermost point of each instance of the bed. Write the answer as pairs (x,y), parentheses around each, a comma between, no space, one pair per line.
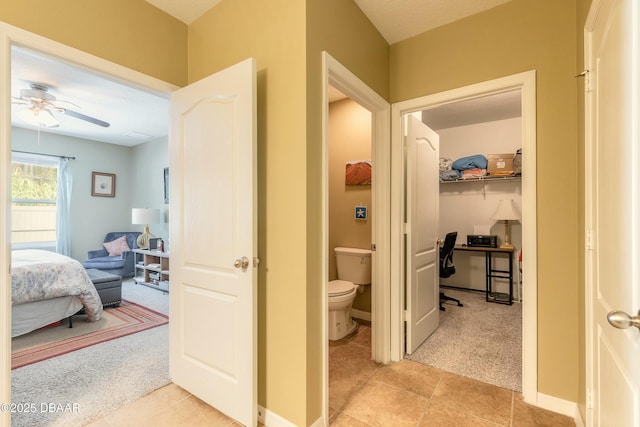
(47,287)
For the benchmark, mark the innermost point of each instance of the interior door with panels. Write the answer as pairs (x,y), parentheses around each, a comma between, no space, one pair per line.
(213,334)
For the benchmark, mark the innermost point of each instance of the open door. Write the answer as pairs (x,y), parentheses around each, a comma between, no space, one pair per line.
(422,148)
(213,194)
(613,212)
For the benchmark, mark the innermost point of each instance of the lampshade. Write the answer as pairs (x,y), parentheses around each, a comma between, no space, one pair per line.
(38,117)
(145,216)
(506,211)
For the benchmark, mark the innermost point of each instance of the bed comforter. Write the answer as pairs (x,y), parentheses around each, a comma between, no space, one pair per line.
(39,275)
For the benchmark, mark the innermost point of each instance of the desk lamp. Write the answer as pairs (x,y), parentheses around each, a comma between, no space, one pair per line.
(506,212)
(146,217)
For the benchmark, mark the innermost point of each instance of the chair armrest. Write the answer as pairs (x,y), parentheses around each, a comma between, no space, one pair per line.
(97,253)
(128,257)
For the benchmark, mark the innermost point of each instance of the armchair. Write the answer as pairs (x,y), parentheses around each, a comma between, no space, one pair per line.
(120,265)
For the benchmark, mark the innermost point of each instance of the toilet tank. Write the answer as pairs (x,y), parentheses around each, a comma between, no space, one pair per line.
(354,265)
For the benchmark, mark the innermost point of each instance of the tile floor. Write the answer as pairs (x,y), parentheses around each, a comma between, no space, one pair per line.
(363,393)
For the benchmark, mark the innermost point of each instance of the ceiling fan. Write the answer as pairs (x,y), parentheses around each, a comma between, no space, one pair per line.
(41,105)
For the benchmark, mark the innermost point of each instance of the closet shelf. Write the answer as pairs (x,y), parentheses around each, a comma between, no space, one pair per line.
(485,179)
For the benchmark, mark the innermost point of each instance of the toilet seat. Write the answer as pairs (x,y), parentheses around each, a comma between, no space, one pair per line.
(337,288)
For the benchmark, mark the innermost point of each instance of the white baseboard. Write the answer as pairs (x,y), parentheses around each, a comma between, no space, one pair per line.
(359,314)
(560,406)
(271,419)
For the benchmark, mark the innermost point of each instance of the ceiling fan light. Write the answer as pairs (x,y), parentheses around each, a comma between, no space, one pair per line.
(38,117)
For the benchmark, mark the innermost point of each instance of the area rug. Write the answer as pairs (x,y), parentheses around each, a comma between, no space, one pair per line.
(59,339)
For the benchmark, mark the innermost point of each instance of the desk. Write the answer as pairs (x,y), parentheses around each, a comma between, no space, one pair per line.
(492,273)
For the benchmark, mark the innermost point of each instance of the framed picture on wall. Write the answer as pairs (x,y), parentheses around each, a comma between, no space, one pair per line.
(166,185)
(103,184)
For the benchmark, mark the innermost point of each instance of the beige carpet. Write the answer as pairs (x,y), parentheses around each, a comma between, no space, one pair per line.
(58,339)
(481,340)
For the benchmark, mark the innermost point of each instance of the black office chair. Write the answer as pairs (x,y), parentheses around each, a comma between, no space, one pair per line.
(447,268)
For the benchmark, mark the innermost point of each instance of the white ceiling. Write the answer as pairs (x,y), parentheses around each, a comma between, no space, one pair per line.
(395,19)
(400,19)
(137,117)
(501,106)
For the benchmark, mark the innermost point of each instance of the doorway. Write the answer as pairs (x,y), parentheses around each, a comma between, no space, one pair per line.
(337,76)
(12,36)
(526,83)
(482,339)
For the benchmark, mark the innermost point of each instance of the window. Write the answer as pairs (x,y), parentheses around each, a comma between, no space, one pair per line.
(34,194)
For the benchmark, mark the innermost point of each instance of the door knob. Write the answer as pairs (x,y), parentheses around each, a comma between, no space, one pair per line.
(241,263)
(622,320)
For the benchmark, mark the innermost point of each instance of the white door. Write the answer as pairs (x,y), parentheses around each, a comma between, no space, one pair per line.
(613,208)
(422,146)
(213,241)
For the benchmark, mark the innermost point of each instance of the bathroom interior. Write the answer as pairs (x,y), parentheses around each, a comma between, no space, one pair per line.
(350,206)
(350,137)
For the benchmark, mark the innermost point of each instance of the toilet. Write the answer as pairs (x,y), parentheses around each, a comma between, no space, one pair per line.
(354,272)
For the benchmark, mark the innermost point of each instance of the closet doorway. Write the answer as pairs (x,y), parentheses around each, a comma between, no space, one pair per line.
(525,84)
(480,340)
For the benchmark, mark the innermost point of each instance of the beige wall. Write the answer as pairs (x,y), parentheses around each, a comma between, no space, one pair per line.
(518,36)
(287,37)
(131,33)
(341,29)
(349,140)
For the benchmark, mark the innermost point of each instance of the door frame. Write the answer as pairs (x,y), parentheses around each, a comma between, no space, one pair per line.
(526,82)
(599,9)
(337,75)
(589,224)
(9,36)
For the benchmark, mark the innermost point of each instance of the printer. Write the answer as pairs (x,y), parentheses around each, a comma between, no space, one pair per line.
(482,241)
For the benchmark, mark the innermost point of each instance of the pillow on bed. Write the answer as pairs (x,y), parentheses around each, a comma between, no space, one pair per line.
(116,247)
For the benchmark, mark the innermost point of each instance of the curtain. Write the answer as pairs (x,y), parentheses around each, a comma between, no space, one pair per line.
(63,217)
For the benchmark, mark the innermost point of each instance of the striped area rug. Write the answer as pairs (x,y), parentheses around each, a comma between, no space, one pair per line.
(58,339)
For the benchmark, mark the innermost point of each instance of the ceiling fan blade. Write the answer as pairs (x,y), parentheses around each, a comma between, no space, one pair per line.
(22,101)
(84,117)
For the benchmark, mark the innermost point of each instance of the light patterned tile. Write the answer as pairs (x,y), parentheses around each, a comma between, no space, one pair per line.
(190,412)
(441,415)
(525,415)
(380,404)
(411,376)
(344,420)
(475,398)
(363,337)
(350,366)
(147,407)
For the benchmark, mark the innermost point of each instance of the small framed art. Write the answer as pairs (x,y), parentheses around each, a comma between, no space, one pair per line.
(103,184)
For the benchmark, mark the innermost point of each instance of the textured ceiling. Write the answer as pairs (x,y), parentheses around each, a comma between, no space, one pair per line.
(138,117)
(395,19)
(185,10)
(400,19)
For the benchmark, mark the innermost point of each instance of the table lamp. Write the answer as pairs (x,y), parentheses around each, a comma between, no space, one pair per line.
(146,217)
(506,212)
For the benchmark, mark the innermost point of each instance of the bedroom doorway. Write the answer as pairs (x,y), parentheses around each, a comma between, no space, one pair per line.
(31,45)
